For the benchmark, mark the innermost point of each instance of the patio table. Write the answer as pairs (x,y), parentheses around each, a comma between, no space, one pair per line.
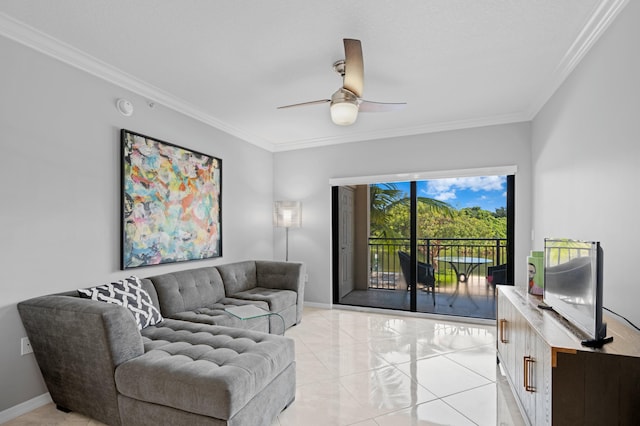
(469,264)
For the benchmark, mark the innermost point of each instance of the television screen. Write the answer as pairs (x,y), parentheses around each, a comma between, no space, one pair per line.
(573,283)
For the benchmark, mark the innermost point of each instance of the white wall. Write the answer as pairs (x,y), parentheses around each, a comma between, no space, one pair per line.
(586,153)
(304,175)
(60,189)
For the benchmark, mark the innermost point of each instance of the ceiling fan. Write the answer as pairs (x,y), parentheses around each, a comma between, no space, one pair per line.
(346,102)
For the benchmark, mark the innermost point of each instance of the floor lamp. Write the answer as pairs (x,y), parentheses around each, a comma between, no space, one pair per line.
(287,214)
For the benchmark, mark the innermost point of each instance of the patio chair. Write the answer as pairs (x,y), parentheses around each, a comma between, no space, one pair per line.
(425,276)
(496,275)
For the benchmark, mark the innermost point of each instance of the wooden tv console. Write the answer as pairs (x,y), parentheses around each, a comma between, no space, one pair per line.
(556,380)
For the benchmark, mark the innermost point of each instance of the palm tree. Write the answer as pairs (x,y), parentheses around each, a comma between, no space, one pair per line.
(384,197)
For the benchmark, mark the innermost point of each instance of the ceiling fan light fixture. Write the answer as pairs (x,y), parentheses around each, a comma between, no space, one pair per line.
(347,100)
(344,113)
(344,107)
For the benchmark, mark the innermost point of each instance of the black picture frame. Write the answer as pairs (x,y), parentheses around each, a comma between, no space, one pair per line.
(171,202)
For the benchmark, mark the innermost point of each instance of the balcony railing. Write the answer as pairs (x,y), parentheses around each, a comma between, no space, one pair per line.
(385,272)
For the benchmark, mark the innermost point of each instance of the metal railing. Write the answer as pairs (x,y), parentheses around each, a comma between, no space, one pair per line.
(385,271)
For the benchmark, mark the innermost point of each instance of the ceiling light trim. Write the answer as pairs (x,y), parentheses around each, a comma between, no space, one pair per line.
(26,35)
(603,15)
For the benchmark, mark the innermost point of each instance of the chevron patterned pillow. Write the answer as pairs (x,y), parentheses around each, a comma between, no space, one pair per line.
(130,294)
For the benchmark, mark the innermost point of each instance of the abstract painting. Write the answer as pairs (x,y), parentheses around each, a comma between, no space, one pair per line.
(171,203)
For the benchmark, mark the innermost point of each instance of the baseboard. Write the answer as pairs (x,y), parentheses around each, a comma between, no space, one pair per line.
(25,407)
(451,318)
(427,315)
(318,305)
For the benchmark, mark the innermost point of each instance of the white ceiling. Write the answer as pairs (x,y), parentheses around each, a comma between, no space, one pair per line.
(457,63)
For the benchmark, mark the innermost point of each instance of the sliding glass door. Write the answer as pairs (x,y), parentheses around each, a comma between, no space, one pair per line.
(376,218)
(423,246)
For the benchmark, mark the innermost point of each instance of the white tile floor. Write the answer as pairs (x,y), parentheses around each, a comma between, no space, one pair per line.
(372,369)
(358,368)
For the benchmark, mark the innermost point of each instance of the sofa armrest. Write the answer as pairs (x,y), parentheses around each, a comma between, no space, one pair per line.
(283,276)
(280,275)
(78,343)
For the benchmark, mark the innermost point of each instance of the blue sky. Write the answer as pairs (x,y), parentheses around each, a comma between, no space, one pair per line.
(487,192)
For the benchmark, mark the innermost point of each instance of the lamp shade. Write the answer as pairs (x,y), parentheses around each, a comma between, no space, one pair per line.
(287,214)
(344,113)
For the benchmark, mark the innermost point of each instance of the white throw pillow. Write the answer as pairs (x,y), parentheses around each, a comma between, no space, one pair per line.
(130,294)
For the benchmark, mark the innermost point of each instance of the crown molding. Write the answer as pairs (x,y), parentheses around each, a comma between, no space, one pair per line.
(409,131)
(47,45)
(603,15)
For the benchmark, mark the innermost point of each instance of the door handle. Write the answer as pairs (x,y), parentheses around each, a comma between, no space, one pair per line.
(528,365)
(503,325)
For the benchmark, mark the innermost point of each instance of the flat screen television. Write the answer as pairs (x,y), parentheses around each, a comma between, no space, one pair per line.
(573,284)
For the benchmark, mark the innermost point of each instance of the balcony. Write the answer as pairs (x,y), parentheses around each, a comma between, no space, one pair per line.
(385,270)
(461,287)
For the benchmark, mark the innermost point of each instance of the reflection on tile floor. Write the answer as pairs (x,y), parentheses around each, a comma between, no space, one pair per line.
(372,369)
(475,299)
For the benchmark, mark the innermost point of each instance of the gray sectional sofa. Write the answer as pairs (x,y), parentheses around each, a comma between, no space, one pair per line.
(189,362)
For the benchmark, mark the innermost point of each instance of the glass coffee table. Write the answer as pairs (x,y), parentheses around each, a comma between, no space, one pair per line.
(247,312)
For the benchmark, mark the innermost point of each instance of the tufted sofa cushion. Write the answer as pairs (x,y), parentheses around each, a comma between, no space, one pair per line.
(187,366)
(216,315)
(239,276)
(187,290)
(278,300)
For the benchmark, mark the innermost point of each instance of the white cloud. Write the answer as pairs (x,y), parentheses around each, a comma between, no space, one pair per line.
(445,196)
(439,188)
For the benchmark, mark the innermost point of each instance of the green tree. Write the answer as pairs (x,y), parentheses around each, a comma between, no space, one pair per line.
(382,198)
(470,222)
(501,212)
(389,210)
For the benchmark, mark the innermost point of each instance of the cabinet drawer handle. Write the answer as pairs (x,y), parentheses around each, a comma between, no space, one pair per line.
(503,324)
(528,365)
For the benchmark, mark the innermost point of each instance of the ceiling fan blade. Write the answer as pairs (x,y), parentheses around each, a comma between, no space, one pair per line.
(354,66)
(368,106)
(322,101)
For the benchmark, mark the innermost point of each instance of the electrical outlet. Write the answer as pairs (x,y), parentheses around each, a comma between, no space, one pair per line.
(25,346)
